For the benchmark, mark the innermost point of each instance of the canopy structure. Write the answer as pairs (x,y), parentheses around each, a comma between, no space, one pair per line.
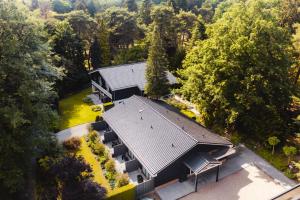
(201,162)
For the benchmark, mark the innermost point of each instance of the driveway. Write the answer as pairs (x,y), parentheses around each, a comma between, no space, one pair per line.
(249,183)
(76,131)
(250,172)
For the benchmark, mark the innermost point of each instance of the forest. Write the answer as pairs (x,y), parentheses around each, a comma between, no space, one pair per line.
(238,61)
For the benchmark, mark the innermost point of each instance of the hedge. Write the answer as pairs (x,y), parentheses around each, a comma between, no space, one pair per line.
(123,193)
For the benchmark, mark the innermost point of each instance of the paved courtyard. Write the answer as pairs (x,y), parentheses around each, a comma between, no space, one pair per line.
(249,183)
(242,177)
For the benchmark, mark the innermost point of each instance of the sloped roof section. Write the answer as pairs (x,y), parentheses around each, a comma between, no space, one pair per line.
(126,76)
(152,137)
(201,134)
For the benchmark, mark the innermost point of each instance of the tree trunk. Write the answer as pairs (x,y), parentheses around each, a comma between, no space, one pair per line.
(297,75)
(273,150)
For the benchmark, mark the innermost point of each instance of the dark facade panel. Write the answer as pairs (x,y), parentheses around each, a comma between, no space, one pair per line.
(126,93)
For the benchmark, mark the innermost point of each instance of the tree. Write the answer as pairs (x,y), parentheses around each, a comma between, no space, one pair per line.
(69,47)
(104,43)
(198,33)
(186,22)
(131,5)
(296,44)
(75,177)
(61,6)
(157,65)
(289,151)
(232,76)
(84,26)
(95,52)
(289,13)
(145,12)
(122,26)
(273,141)
(27,96)
(164,18)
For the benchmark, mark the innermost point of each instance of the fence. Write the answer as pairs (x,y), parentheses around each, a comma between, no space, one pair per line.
(131,165)
(145,187)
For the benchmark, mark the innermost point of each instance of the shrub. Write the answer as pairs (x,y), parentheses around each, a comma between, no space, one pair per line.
(235,138)
(122,180)
(289,174)
(177,104)
(72,144)
(110,166)
(87,100)
(96,108)
(103,158)
(98,149)
(93,137)
(110,176)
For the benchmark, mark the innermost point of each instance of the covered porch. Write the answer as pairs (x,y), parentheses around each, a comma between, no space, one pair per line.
(198,163)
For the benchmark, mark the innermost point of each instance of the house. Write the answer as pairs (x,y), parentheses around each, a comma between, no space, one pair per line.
(122,81)
(157,144)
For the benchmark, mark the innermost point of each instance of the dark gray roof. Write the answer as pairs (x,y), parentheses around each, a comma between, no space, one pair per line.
(199,162)
(151,135)
(126,76)
(195,130)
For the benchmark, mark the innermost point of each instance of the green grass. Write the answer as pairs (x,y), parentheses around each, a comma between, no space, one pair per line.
(89,157)
(188,113)
(279,161)
(73,111)
(123,193)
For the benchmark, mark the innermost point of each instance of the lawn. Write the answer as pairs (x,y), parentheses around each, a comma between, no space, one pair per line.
(123,193)
(73,111)
(89,157)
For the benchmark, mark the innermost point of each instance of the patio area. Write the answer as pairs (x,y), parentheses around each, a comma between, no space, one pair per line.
(124,160)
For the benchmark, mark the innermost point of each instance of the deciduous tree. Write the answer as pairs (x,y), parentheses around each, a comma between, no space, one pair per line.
(233,75)
(273,141)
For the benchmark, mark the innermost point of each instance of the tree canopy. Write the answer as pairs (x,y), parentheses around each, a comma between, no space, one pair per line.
(27,97)
(230,76)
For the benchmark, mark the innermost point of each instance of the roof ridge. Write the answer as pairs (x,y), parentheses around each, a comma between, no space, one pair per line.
(160,114)
(115,66)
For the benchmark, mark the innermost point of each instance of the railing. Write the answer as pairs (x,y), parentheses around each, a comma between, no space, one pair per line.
(101,89)
(145,187)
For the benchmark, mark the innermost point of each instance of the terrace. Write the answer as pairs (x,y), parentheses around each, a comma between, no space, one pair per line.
(124,159)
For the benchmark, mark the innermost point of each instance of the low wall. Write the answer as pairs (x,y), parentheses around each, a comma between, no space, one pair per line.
(145,187)
(99,126)
(131,165)
(119,149)
(109,136)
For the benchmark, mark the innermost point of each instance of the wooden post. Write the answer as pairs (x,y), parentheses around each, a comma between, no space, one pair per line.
(217,176)
(196,182)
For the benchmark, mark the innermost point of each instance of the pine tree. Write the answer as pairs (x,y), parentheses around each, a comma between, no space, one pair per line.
(95,52)
(157,65)
(198,33)
(104,43)
(146,11)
